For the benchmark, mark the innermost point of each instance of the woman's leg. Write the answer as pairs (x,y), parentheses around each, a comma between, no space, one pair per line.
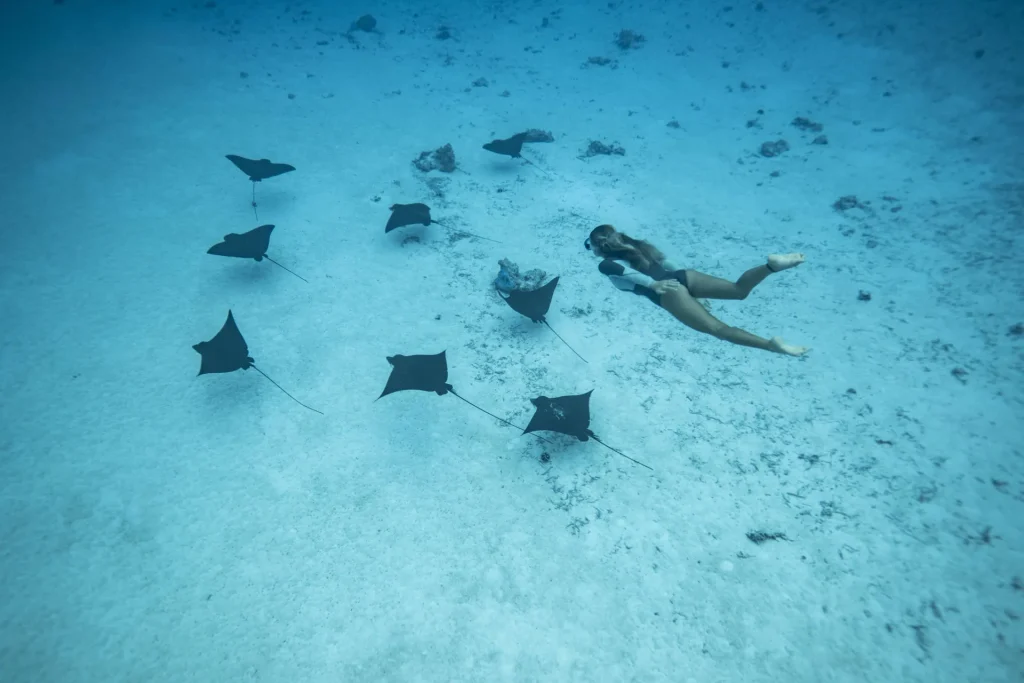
(687,310)
(704,286)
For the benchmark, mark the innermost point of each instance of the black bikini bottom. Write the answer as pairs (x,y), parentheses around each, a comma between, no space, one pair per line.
(677,275)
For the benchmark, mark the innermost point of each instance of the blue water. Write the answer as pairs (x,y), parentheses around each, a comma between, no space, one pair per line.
(163,526)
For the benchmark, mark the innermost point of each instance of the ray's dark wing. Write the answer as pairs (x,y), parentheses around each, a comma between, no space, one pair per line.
(397,218)
(515,143)
(408,214)
(252,244)
(568,415)
(259,169)
(420,212)
(230,337)
(269,169)
(418,373)
(578,408)
(230,246)
(542,419)
(533,304)
(512,146)
(247,166)
(500,147)
(226,352)
(258,241)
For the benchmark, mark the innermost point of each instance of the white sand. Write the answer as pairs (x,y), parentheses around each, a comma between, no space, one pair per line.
(157,526)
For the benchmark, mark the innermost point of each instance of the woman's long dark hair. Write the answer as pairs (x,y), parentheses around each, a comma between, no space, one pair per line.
(640,254)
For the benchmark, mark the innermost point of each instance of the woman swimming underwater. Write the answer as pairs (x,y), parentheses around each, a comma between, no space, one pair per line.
(677,290)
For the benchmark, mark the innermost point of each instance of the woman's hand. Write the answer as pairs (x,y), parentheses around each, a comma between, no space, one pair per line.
(663,286)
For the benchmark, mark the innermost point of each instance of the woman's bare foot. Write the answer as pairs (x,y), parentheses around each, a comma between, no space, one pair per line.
(778,346)
(779,262)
